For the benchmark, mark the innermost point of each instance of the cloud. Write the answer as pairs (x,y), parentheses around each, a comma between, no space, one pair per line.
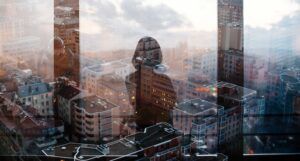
(120,23)
(102,8)
(200,15)
(158,17)
(89,26)
(283,35)
(266,13)
(117,24)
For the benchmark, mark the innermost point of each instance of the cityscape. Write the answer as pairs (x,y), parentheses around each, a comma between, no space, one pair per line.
(122,80)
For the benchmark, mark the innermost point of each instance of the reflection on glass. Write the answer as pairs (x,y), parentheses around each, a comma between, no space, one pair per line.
(79,80)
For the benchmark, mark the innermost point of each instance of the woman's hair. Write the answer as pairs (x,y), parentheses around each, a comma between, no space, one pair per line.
(148,52)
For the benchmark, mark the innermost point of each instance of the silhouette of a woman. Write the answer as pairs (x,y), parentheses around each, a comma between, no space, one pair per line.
(154,95)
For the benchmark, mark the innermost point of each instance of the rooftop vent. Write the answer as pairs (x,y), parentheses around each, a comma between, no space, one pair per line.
(195,104)
(101,102)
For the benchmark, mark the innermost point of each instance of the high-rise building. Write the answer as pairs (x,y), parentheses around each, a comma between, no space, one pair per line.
(230,41)
(231,70)
(66,40)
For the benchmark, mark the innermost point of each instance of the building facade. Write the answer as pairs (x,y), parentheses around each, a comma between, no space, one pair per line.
(64,97)
(92,119)
(33,92)
(199,118)
(230,41)
(66,40)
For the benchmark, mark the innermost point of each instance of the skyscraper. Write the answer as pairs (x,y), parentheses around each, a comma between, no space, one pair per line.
(231,69)
(66,40)
(230,41)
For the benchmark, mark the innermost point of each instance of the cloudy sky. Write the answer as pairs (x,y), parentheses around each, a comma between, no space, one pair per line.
(116,24)
(119,24)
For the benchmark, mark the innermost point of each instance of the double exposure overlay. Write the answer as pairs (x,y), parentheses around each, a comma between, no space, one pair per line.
(157,80)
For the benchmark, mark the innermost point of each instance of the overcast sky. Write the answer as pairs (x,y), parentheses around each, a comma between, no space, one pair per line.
(118,24)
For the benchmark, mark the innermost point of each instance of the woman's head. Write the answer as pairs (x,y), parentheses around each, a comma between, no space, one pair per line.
(147,53)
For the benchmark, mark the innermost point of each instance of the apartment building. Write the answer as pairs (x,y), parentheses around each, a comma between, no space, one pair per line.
(92,119)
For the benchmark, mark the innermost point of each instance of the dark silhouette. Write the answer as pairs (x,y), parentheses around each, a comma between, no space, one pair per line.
(154,95)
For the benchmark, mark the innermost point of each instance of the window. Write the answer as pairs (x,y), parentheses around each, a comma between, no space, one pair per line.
(240,56)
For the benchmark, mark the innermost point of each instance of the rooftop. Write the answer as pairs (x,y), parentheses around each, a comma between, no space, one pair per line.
(196,106)
(122,147)
(69,150)
(68,92)
(154,135)
(233,91)
(33,89)
(126,147)
(93,104)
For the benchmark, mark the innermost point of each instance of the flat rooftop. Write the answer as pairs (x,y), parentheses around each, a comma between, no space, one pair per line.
(154,135)
(68,92)
(69,150)
(126,147)
(122,147)
(234,91)
(196,106)
(93,104)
